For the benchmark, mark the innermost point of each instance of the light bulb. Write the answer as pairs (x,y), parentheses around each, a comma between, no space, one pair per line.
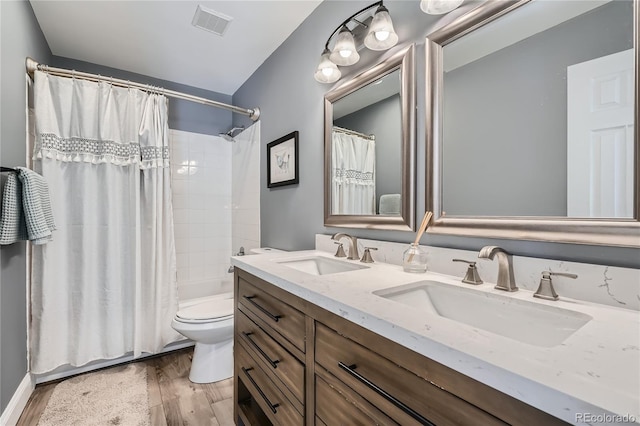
(382,35)
(327,71)
(345,53)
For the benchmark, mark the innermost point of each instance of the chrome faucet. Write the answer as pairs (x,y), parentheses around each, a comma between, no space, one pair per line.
(506,279)
(353,248)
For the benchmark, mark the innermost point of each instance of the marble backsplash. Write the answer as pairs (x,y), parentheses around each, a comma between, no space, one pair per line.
(608,285)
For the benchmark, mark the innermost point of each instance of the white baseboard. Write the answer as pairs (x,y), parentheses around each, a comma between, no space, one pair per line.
(18,401)
(72,371)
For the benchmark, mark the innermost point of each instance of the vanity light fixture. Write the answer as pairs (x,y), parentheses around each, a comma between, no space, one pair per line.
(439,7)
(380,36)
(344,52)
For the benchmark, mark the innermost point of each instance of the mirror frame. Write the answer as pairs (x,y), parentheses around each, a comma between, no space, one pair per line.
(610,232)
(404,61)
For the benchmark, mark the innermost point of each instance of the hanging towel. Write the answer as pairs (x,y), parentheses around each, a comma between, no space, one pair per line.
(390,204)
(26,209)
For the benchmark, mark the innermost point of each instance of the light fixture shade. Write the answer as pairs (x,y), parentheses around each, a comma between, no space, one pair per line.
(344,52)
(327,71)
(439,7)
(381,34)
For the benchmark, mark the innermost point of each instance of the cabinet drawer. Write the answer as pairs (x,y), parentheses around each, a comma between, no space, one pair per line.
(276,359)
(337,404)
(380,381)
(285,320)
(270,399)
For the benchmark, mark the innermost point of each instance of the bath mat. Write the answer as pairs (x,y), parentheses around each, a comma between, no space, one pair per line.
(110,397)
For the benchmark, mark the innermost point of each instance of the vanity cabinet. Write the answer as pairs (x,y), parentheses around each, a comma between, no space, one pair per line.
(296,363)
(269,354)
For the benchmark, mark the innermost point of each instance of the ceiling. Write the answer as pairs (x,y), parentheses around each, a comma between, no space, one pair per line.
(156,38)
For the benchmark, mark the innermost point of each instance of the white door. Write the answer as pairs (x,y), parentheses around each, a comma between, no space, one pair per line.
(600,137)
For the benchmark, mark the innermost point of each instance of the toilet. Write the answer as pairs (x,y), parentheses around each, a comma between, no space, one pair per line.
(209,323)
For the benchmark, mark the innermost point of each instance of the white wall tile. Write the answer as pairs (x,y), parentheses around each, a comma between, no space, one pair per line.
(180,216)
(196,216)
(203,172)
(182,260)
(182,245)
(181,230)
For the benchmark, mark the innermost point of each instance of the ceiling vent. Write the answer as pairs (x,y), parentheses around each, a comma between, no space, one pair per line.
(211,21)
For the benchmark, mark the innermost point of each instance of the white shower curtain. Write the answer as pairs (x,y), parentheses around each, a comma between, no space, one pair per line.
(353,160)
(106,285)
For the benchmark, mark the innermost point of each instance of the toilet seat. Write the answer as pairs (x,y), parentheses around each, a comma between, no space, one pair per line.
(206,312)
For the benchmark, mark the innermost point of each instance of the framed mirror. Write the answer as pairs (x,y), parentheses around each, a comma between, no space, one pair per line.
(369,154)
(531,122)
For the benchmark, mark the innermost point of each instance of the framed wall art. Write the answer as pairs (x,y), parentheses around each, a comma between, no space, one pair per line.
(282,161)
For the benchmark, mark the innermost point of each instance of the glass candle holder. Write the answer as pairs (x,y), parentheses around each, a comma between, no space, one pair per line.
(414,259)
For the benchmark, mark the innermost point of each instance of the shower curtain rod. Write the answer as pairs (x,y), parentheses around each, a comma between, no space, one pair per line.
(353,132)
(32,66)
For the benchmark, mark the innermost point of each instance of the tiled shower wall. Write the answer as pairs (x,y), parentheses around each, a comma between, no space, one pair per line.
(216,206)
(201,189)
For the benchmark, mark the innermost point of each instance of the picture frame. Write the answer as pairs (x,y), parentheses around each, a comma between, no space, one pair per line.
(282,161)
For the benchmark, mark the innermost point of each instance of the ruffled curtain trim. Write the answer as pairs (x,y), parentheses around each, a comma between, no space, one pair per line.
(154,157)
(85,150)
(98,151)
(356,177)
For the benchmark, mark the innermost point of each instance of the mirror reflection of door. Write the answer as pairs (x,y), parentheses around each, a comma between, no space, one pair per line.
(507,95)
(366,161)
(600,137)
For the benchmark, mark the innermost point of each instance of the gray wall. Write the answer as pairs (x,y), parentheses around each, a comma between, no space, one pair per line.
(20,37)
(383,120)
(290,99)
(183,115)
(531,142)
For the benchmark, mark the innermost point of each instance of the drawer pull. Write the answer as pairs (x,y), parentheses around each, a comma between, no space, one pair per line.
(276,318)
(273,363)
(351,369)
(271,406)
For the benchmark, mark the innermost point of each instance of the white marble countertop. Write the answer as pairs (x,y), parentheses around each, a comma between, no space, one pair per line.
(594,372)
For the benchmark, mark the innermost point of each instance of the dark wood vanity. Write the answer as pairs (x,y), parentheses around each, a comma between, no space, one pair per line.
(296,363)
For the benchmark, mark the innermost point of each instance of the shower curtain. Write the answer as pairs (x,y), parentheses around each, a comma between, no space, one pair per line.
(353,160)
(106,285)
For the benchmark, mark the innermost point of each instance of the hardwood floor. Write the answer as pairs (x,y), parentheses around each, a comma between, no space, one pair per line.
(173,399)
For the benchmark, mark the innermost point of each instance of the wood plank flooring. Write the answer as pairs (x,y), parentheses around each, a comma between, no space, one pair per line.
(173,399)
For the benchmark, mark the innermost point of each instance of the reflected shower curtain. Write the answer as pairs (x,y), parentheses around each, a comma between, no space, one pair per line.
(353,160)
(106,285)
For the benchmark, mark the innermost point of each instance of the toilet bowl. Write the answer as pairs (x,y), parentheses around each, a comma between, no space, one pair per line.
(209,323)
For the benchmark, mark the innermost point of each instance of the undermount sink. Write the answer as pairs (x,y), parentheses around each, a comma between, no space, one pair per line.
(318,265)
(526,322)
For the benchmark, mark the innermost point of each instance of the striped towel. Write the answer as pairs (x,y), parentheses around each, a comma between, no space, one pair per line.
(26,209)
